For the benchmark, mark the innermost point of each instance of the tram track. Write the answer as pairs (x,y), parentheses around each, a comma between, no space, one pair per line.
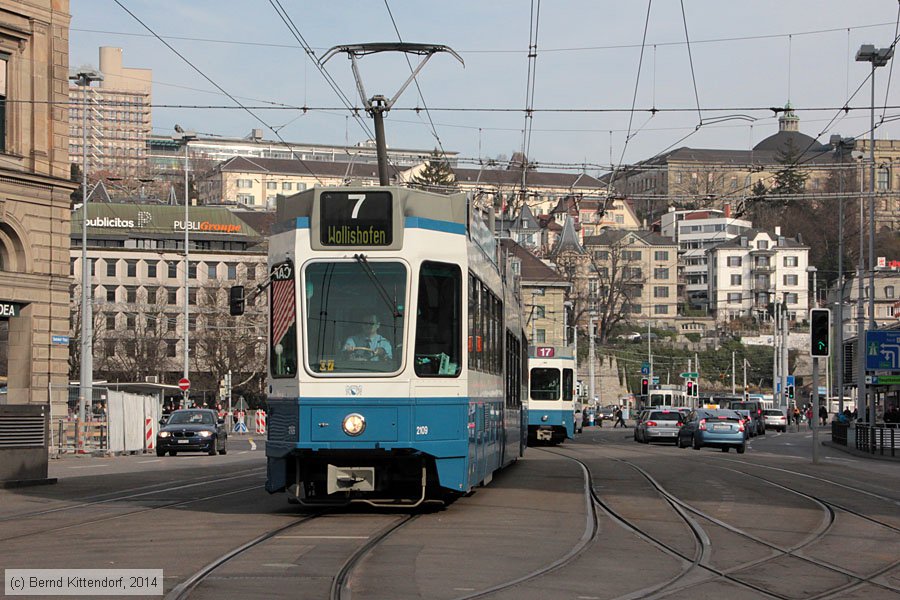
(857,579)
(133,513)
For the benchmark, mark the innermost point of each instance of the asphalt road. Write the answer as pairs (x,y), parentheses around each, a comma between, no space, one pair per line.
(595,518)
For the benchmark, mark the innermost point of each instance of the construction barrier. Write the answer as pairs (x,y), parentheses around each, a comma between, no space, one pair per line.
(260,421)
(240,426)
(149,437)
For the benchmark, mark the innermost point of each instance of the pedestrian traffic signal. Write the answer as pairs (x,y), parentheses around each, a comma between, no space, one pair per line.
(690,388)
(819,330)
(645,386)
(696,389)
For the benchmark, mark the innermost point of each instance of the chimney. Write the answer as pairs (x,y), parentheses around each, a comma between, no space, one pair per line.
(777,230)
(728,210)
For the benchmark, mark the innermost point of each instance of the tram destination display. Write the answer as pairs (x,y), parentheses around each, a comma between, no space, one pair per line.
(356,219)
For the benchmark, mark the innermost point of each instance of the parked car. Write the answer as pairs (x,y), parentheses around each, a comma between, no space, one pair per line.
(775,419)
(658,425)
(717,428)
(756,411)
(608,413)
(192,430)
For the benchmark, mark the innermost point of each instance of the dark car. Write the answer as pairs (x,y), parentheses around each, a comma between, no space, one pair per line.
(717,428)
(756,412)
(192,430)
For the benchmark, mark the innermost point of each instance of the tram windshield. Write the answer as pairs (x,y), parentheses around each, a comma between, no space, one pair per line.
(355,316)
(544,384)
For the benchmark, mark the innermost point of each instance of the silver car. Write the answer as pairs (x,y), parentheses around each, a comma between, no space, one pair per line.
(658,425)
(749,423)
(775,419)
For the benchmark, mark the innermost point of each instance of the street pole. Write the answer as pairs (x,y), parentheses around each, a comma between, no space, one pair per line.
(732,373)
(745,380)
(814,422)
(591,361)
(84,78)
(785,354)
(186,137)
(776,355)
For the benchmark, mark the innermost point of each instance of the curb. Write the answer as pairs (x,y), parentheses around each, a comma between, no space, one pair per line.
(855,452)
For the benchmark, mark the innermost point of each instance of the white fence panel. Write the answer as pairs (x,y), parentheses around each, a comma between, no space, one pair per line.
(134,423)
(115,407)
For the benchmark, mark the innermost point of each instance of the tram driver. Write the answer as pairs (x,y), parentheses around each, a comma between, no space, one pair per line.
(368,344)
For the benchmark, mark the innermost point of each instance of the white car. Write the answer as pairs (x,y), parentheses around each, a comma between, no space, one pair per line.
(775,419)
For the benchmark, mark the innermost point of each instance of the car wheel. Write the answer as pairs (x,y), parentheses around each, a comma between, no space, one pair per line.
(160,452)
(173,452)
(678,442)
(724,448)
(696,443)
(741,449)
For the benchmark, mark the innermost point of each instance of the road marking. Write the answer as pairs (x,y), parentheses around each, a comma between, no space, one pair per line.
(280,565)
(144,462)
(88,466)
(252,445)
(243,452)
(322,537)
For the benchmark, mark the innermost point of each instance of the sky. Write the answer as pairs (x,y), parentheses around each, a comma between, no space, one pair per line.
(594,61)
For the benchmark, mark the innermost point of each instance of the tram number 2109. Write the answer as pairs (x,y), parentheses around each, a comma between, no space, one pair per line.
(421,429)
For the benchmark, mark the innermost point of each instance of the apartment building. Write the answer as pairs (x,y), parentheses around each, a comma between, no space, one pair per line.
(118,117)
(137,261)
(750,272)
(34,203)
(695,232)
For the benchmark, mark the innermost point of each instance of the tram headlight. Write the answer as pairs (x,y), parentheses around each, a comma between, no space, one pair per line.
(354,424)
(544,418)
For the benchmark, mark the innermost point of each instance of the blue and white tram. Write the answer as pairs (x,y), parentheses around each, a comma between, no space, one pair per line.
(551,394)
(396,352)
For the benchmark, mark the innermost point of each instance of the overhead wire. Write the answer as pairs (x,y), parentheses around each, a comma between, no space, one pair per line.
(533,28)
(210,80)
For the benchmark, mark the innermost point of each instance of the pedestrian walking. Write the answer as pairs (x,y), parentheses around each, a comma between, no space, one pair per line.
(809,417)
(619,419)
(823,415)
(796,416)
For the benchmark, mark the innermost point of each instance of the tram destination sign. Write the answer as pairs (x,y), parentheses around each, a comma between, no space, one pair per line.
(360,219)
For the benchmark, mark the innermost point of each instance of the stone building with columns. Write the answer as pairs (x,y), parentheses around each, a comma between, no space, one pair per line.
(34,203)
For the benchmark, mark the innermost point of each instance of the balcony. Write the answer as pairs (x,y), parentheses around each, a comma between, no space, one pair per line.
(759,268)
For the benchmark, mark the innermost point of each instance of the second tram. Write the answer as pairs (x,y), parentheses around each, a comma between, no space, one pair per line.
(551,394)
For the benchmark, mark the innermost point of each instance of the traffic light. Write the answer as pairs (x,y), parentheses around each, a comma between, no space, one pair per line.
(645,386)
(819,330)
(236,300)
(690,388)
(696,389)
(790,391)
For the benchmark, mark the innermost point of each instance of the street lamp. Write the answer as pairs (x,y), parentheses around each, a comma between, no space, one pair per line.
(815,299)
(84,77)
(185,137)
(879,57)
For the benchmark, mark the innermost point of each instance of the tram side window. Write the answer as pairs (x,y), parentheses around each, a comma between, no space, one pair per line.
(544,384)
(283,321)
(439,322)
(568,384)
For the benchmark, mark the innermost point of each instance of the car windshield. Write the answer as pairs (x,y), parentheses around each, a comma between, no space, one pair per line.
(665,415)
(191,417)
(355,316)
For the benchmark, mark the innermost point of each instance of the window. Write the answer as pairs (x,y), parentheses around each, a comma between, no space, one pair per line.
(762,261)
(171,348)
(540,336)
(544,384)
(172,295)
(539,312)
(734,298)
(192,296)
(109,347)
(244,184)
(111,267)
(251,272)
(790,261)
(661,309)
(762,245)
(131,294)
(286,186)
(889,291)
(790,298)
(601,254)
(735,280)
(246,198)
(111,322)
(151,270)
(232,271)
(271,185)
(790,280)
(130,320)
(734,261)
(192,270)
(173,270)
(4,62)
(631,255)
(211,270)
(884,178)
(661,255)
(661,291)
(632,272)
(661,273)
(111,294)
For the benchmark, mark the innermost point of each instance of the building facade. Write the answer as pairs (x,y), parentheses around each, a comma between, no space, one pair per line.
(34,203)
(756,269)
(695,232)
(137,261)
(119,118)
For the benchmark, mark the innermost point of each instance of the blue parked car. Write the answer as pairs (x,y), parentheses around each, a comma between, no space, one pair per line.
(717,428)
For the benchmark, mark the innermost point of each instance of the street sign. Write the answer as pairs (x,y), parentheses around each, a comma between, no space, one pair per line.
(790,380)
(883,380)
(645,368)
(60,339)
(691,375)
(655,380)
(883,350)
(184,384)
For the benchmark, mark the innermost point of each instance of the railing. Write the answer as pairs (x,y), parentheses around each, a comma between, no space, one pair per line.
(839,432)
(880,439)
